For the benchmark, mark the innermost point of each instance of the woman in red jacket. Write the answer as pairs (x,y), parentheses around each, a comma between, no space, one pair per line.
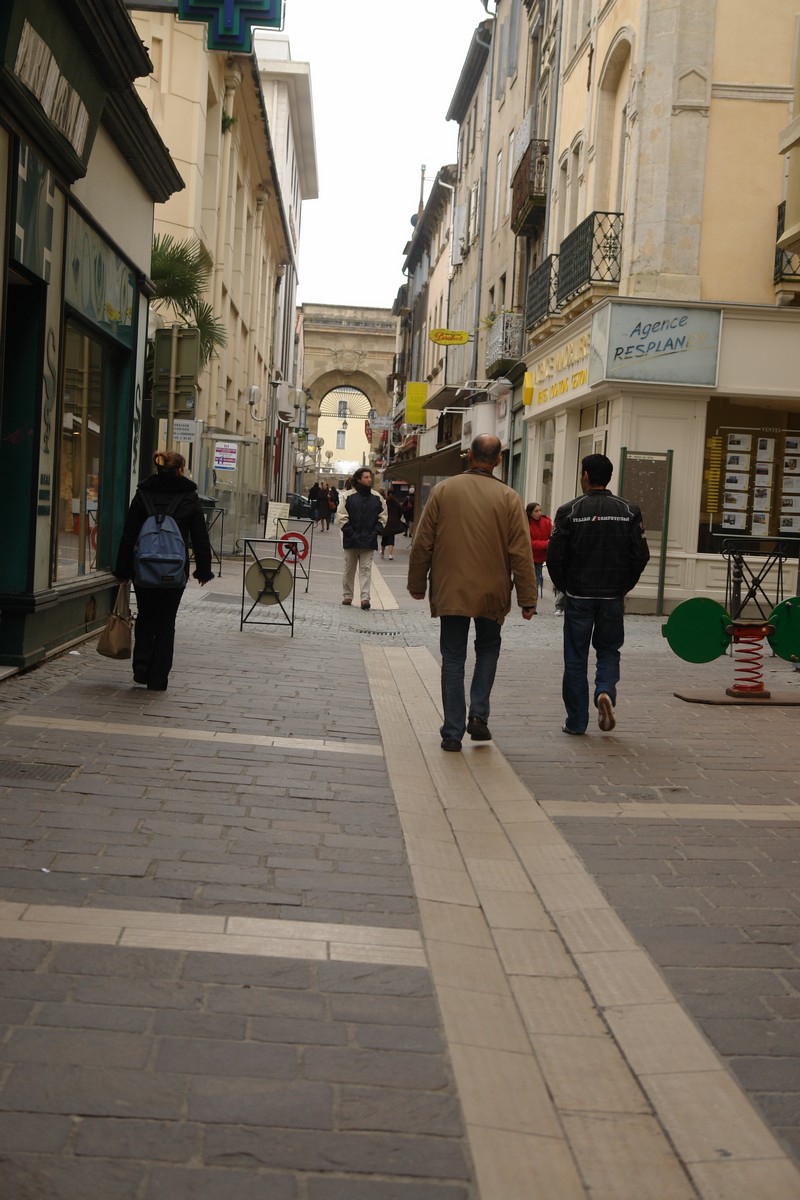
(540,527)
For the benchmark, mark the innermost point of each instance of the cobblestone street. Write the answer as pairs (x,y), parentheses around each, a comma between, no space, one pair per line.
(262,939)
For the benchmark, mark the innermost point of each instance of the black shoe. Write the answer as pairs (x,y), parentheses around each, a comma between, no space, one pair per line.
(574,732)
(478,730)
(365,604)
(451,744)
(140,677)
(156,687)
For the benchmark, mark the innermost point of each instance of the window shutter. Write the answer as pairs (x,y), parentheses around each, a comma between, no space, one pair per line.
(459,227)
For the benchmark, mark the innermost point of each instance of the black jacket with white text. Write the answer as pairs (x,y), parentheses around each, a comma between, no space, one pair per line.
(597,547)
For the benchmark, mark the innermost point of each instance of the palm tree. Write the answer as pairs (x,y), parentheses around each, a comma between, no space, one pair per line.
(180,272)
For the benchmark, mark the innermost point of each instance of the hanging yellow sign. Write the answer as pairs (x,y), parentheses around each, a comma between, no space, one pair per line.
(449,337)
(527,388)
(416,395)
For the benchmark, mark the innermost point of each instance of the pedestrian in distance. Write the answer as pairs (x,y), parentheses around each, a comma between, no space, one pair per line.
(394,525)
(333,502)
(323,512)
(166,492)
(408,513)
(314,493)
(361,516)
(540,527)
(471,544)
(596,554)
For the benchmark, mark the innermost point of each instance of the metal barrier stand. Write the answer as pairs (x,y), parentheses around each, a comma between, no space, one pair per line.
(267,581)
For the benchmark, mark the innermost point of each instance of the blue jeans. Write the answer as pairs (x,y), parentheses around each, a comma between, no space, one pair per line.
(599,623)
(539,569)
(453,637)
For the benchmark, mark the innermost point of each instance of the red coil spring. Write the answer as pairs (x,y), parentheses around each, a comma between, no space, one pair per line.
(748,650)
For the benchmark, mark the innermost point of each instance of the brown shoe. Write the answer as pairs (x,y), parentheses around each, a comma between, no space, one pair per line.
(346,601)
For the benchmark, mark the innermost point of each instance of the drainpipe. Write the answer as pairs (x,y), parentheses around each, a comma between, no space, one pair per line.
(483,177)
(554,109)
(451,189)
(233,77)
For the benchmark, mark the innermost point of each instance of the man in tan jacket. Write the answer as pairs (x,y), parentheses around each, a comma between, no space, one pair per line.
(470,543)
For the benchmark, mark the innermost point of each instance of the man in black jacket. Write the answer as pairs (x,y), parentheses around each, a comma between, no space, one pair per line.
(595,555)
(360,516)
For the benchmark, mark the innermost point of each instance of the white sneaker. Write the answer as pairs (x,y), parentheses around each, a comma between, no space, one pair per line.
(605,713)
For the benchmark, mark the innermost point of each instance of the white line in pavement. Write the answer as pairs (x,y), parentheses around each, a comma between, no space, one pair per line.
(200,735)
(212,934)
(555,1016)
(613,810)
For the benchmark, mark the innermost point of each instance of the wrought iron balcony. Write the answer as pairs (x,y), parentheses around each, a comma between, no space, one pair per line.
(787,265)
(529,189)
(591,254)
(398,372)
(541,301)
(504,342)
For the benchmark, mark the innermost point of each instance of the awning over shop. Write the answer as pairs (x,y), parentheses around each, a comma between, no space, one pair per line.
(441,462)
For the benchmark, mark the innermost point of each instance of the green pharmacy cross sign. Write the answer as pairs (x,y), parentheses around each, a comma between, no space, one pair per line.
(230,22)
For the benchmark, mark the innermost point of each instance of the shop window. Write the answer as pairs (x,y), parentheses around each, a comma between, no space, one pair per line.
(593,424)
(548,452)
(751,476)
(87,369)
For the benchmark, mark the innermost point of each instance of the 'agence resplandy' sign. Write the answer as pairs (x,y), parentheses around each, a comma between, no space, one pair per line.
(658,345)
(669,343)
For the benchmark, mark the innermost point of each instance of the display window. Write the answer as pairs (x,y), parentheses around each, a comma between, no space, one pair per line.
(751,476)
(90,372)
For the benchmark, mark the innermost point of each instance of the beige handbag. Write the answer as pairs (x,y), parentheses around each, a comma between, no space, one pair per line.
(115,640)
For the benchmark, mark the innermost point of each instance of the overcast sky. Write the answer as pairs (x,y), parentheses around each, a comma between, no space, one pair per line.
(383,74)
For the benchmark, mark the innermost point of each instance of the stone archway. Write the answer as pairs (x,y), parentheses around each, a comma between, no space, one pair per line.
(345,346)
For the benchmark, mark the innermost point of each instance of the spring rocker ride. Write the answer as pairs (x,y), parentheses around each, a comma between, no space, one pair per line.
(700,630)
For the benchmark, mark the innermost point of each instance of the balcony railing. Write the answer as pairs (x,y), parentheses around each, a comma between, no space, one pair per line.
(541,301)
(504,342)
(529,189)
(591,254)
(787,265)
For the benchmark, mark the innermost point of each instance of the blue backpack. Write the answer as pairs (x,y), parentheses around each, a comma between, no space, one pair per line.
(159,556)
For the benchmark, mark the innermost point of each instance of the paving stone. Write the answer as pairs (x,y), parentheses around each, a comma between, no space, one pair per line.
(375,980)
(266,1002)
(38,1133)
(194,1056)
(34,1177)
(89,1048)
(18,955)
(382,1189)
(392,1109)
(349,1065)
(294,1031)
(199,1183)
(258,1102)
(381,1154)
(116,961)
(85,1092)
(157,1141)
(249,970)
(93,1016)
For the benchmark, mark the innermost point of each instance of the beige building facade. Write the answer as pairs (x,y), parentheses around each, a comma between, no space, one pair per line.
(672,332)
(240,128)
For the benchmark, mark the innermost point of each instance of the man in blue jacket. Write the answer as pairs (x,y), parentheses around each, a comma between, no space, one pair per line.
(596,554)
(360,516)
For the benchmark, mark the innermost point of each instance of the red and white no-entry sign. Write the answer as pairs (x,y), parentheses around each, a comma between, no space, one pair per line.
(294,545)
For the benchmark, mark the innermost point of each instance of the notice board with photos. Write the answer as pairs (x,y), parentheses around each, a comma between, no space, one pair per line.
(753,483)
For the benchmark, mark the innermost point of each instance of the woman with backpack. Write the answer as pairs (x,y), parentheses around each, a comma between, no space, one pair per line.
(164,513)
